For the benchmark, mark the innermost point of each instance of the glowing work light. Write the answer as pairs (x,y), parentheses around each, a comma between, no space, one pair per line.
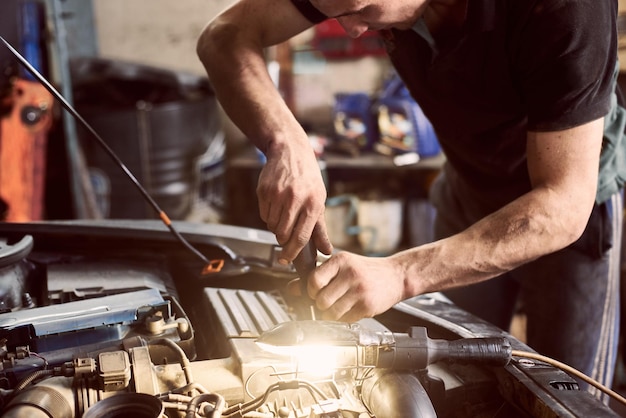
(342,344)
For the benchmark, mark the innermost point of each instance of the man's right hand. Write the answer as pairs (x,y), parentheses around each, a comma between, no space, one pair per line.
(292,197)
(291,192)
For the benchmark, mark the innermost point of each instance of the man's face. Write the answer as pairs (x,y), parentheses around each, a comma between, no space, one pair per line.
(359,16)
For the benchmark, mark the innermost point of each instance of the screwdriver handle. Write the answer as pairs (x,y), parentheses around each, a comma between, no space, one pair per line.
(305,263)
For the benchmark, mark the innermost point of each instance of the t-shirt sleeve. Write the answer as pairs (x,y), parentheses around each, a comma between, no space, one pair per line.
(309,11)
(566,54)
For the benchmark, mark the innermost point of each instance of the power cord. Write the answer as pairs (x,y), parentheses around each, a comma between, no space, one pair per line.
(571,370)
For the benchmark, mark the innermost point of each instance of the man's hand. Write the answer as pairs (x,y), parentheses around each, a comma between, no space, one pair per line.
(292,198)
(290,191)
(349,287)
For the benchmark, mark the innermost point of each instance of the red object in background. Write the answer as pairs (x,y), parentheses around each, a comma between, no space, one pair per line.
(333,42)
(23,140)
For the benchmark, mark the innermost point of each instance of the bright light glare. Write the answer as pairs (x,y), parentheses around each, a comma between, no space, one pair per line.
(317,360)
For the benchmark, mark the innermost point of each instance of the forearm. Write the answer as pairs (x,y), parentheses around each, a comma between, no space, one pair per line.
(535,224)
(563,170)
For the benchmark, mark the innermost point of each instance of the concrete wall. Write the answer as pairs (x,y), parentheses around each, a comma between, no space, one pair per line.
(156,32)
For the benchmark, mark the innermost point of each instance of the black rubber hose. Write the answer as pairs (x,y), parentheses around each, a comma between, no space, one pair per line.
(24,383)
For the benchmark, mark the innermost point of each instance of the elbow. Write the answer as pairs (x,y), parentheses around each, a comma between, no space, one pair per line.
(212,39)
(202,43)
(572,236)
(567,217)
(574,228)
(205,44)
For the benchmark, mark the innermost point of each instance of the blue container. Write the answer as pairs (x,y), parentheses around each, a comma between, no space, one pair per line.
(353,120)
(402,125)
(32,17)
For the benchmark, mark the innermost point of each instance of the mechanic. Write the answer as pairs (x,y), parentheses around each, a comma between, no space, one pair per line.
(523,97)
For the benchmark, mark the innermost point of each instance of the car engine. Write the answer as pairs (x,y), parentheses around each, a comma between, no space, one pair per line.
(113,319)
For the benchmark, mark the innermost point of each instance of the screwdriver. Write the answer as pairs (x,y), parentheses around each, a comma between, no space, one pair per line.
(305,263)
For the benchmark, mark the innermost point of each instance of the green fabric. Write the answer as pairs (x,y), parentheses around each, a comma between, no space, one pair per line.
(613,158)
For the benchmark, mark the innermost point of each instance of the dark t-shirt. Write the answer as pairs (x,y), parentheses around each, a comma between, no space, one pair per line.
(517,65)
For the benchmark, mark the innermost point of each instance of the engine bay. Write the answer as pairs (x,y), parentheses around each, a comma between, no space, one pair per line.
(113,318)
